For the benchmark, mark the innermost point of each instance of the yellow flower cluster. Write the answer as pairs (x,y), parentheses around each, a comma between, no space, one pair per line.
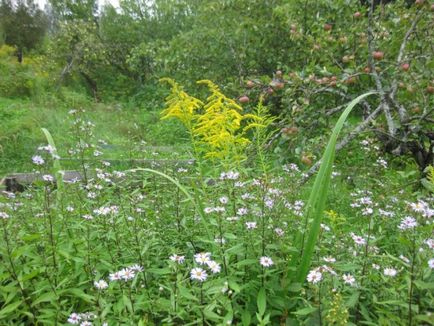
(217,124)
(180,105)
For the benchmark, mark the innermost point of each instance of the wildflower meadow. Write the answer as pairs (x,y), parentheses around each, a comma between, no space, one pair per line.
(229,162)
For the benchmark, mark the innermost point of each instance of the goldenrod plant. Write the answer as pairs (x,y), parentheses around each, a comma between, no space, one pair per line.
(216,125)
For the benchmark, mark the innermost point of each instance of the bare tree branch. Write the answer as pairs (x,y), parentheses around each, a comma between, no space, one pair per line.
(384,103)
(401,110)
(353,134)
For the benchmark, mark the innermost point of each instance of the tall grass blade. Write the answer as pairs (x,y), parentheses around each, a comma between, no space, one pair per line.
(57,168)
(318,196)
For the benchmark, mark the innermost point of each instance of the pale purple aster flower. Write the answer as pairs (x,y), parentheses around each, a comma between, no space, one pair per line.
(202,257)
(419,207)
(115,276)
(266,261)
(223,200)
(4,215)
(325,227)
(198,274)
(251,225)
(390,272)
(329,259)
(214,266)
(86,323)
(247,196)
(136,268)
(177,259)
(74,318)
(101,284)
(48,178)
(407,223)
(405,259)
(38,160)
(242,211)
(127,274)
(91,195)
(430,243)
(349,279)
(382,162)
(269,203)
(431,263)
(314,276)
(279,232)
(358,240)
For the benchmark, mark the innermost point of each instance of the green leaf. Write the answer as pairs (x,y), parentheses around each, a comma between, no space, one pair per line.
(424,285)
(159,271)
(9,308)
(127,303)
(261,301)
(316,203)
(246,318)
(209,314)
(184,292)
(46,297)
(80,294)
(352,300)
(234,286)
(305,311)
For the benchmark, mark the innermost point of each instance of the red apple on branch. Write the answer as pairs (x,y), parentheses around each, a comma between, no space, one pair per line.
(244,99)
(378,55)
(405,66)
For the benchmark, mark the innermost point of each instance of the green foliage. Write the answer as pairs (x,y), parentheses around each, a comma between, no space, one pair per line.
(62,246)
(23,25)
(27,79)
